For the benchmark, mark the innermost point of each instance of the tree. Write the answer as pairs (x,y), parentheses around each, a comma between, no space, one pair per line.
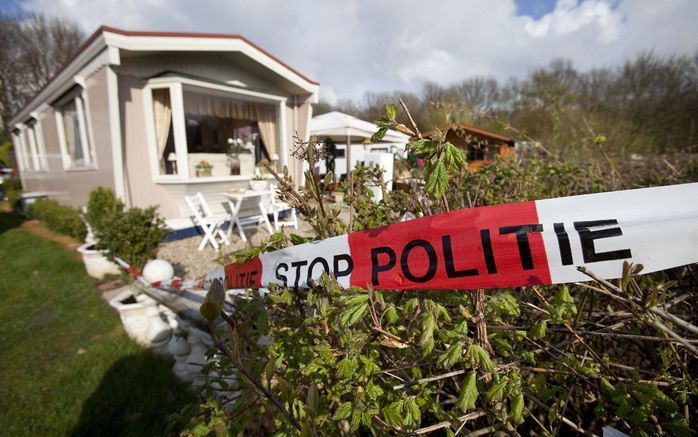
(32,49)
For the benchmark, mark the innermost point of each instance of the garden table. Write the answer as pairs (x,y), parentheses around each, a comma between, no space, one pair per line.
(235,201)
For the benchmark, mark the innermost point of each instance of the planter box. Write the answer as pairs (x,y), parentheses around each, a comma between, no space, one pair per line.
(96,264)
(256,185)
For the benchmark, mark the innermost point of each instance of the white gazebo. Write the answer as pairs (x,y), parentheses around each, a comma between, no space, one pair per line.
(352,137)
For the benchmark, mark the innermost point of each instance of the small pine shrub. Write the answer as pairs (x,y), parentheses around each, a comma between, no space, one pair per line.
(133,235)
(58,218)
(101,207)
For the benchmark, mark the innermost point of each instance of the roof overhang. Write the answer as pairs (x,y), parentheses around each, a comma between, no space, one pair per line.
(106,45)
(339,126)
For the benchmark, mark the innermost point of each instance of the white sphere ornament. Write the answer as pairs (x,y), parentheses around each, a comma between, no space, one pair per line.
(158,270)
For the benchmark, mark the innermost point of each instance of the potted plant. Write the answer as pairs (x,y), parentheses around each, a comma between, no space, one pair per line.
(236,147)
(203,168)
(101,206)
(259,181)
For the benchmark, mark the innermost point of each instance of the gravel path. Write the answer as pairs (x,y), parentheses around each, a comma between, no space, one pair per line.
(190,263)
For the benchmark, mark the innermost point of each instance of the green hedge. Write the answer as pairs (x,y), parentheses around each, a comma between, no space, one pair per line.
(58,218)
(132,234)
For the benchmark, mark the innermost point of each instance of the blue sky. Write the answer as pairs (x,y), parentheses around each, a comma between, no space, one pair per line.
(535,8)
(352,47)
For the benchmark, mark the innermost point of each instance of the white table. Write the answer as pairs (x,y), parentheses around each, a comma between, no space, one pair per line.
(235,201)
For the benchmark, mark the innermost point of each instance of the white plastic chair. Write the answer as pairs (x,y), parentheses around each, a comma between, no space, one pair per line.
(209,222)
(278,206)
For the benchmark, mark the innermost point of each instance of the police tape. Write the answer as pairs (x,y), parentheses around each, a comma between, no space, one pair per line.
(509,245)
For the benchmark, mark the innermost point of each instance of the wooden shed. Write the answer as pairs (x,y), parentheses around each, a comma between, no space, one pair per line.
(481,145)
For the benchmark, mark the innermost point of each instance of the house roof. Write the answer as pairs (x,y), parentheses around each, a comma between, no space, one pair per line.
(475,131)
(339,126)
(106,37)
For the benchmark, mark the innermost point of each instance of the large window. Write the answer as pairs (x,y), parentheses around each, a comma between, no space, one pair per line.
(226,136)
(37,151)
(73,134)
(197,131)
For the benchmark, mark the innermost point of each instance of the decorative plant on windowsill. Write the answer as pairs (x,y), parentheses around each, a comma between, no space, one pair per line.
(260,179)
(203,168)
(235,148)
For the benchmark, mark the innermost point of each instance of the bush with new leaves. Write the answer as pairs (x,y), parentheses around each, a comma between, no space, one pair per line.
(526,361)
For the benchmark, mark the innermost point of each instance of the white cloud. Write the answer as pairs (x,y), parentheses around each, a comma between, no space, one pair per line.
(568,17)
(354,47)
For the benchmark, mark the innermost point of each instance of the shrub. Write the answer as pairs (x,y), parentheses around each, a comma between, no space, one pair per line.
(13,190)
(132,235)
(527,361)
(101,206)
(58,218)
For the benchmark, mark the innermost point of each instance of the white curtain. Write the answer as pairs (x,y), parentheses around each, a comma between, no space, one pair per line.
(267,129)
(222,107)
(71,128)
(162,113)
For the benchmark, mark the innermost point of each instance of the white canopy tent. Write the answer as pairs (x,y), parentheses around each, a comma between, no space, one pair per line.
(346,129)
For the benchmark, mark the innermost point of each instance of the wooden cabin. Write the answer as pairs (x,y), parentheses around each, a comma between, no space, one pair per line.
(482,146)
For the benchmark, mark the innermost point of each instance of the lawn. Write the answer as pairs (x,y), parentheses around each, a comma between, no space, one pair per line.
(66,365)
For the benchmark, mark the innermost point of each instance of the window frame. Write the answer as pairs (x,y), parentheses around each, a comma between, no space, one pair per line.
(19,138)
(86,143)
(176,85)
(37,144)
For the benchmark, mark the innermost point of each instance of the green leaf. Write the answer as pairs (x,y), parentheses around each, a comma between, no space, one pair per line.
(347,367)
(390,111)
(410,306)
(313,397)
(412,413)
(564,303)
(539,330)
(461,328)
(356,308)
(437,180)
(496,392)
(452,355)
(209,311)
(423,148)
(468,393)
(216,293)
(373,391)
(516,409)
(391,315)
(479,357)
(213,302)
(380,133)
(454,159)
(392,414)
(355,419)
(428,326)
(485,361)
(343,412)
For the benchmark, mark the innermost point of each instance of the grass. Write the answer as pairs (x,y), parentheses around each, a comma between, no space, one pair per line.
(66,365)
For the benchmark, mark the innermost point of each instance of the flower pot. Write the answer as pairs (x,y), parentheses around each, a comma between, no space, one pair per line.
(257,185)
(133,315)
(203,173)
(338,198)
(96,264)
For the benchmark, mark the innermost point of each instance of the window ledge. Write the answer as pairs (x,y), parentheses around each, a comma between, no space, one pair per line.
(80,169)
(204,180)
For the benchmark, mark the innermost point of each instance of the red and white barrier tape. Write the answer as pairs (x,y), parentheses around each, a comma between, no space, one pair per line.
(511,245)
